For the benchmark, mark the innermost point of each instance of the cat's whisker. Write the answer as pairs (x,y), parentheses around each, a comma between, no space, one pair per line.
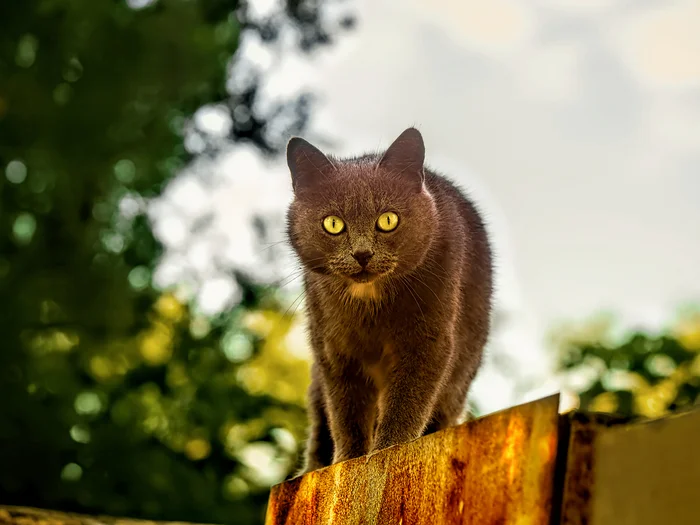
(299,297)
(292,275)
(303,296)
(427,286)
(269,246)
(290,280)
(298,272)
(437,263)
(437,276)
(415,298)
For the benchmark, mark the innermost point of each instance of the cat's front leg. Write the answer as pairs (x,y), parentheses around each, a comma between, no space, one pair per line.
(411,393)
(319,446)
(350,401)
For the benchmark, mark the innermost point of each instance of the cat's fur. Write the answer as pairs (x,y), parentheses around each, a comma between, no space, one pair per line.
(396,345)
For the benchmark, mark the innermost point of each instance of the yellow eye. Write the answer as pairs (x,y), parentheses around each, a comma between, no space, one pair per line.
(388,221)
(333,225)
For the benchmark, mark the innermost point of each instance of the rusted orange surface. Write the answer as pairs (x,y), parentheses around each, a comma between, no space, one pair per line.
(498,469)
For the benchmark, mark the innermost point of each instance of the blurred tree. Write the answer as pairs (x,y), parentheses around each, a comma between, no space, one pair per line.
(115,397)
(638,374)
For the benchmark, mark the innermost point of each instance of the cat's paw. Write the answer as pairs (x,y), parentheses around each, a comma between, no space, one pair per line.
(310,467)
(371,454)
(347,455)
(386,442)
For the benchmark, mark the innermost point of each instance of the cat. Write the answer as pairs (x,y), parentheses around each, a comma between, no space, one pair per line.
(397,268)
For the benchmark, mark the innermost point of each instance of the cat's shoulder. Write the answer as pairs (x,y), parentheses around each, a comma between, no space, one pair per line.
(441,185)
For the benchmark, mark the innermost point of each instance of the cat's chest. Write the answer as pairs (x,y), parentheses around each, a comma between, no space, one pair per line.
(366,343)
(356,327)
(354,322)
(359,331)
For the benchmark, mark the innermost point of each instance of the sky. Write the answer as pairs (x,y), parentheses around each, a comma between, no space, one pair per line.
(574,124)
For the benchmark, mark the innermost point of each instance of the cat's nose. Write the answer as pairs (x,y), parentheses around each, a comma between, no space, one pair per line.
(363,256)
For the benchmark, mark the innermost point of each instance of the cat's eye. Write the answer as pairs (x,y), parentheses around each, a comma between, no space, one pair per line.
(333,225)
(388,221)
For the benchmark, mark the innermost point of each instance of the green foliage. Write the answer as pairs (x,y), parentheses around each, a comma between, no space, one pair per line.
(640,374)
(116,397)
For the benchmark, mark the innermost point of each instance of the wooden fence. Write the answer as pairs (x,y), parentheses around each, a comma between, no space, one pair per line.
(523,466)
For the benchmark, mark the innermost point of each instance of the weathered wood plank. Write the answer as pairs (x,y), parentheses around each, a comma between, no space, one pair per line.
(643,473)
(497,469)
(577,458)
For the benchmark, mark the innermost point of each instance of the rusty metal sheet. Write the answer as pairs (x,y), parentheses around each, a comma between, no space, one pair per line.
(497,469)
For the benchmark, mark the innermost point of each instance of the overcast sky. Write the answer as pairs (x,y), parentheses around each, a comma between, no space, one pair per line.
(581,123)
(575,124)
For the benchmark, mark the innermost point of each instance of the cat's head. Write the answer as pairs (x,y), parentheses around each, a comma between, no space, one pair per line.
(361,219)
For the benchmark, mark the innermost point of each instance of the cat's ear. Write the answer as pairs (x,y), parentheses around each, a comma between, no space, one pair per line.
(306,163)
(406,156)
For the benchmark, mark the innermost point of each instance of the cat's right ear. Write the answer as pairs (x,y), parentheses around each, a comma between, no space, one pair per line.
(306,163)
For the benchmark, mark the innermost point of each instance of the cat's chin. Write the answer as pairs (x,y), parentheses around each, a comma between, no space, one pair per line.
(363,277)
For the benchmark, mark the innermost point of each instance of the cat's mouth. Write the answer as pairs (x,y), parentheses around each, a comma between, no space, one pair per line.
(363,276)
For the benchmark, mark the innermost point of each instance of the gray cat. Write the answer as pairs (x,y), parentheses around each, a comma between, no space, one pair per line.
(398,274)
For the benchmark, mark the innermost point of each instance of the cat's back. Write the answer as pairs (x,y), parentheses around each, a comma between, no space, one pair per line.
(454,204)
(465,240)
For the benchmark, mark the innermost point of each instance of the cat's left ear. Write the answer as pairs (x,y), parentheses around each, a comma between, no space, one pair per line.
(306,163)
(406,156)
